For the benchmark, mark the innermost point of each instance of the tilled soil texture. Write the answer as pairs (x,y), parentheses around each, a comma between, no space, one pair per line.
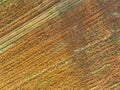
(60,45)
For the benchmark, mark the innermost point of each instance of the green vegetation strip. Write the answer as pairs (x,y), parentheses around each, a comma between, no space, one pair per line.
(1,1)
(52,12)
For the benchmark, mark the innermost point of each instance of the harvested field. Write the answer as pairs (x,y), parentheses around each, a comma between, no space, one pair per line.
(60,45)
